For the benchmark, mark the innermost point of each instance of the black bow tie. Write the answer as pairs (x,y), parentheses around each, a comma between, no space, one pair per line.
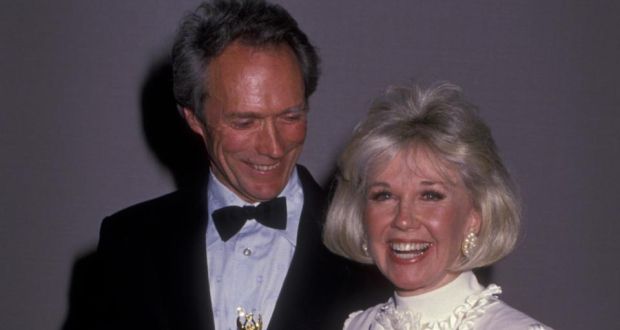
(229,220)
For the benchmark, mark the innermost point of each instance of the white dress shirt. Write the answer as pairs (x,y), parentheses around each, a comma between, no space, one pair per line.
(248,270)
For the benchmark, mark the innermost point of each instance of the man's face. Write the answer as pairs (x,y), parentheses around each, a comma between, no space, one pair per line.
(255,114)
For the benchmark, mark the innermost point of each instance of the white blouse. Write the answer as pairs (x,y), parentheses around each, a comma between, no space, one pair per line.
(462,304)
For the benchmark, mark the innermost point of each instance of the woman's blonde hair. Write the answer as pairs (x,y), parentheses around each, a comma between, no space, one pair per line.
(441,121)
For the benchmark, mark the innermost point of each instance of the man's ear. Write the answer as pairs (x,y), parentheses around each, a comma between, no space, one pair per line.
(194,122)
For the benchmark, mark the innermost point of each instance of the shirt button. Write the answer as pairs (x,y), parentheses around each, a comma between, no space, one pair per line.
(247,252)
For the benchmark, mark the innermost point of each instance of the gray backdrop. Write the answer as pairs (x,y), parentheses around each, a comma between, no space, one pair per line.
(77,79)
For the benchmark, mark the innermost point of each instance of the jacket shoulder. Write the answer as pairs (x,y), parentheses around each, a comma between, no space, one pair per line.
(160,213)
(152,206)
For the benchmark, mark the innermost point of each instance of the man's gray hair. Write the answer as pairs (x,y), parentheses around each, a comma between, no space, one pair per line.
(206,32)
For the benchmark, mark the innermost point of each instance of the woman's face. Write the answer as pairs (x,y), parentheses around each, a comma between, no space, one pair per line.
(416,219)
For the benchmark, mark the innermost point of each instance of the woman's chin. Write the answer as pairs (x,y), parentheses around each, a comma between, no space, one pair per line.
(419,282)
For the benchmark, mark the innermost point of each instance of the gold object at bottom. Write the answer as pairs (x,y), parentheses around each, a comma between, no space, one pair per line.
(246,321)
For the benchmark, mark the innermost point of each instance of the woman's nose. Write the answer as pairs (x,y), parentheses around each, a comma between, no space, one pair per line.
(406,218)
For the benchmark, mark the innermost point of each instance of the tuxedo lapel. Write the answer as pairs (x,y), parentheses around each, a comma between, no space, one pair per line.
(184,274)
(299,286)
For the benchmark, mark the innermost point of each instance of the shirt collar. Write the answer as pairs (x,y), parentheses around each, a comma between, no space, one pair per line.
(218,196)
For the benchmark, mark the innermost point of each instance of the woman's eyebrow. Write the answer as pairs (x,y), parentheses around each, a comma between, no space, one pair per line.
(379,184)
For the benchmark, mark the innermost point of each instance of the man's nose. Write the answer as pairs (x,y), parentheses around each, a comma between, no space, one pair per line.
(269,140)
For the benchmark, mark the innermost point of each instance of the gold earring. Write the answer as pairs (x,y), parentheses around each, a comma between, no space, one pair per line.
(469,244)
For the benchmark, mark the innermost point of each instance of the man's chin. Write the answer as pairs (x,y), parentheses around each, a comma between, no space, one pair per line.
(264,189)
(265,193)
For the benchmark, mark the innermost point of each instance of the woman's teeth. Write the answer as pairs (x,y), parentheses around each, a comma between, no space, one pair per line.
(409,250)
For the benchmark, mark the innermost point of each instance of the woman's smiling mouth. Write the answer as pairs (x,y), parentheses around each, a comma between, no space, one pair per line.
(408,250)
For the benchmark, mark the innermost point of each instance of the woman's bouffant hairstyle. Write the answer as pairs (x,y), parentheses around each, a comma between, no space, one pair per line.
(439,120)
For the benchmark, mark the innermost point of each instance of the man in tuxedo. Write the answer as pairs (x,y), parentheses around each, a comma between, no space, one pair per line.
(248,240)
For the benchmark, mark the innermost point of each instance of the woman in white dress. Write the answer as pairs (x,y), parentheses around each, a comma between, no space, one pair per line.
(423,194)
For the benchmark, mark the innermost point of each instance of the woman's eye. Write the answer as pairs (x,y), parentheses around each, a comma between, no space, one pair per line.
(381,196)
(432,196)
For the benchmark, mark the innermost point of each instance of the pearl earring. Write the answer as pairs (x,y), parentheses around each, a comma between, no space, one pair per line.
(469,244)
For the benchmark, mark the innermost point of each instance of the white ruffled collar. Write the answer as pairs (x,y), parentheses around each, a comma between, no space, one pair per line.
(456,305)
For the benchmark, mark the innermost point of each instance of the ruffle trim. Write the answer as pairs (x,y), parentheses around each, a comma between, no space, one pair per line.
(463,317)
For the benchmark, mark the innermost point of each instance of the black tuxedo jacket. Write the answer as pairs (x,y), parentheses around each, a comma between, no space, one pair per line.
(154,269)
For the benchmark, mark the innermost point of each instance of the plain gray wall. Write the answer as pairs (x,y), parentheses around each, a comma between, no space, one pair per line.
(544,73)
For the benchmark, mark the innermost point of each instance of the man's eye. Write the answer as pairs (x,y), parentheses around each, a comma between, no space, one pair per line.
(294,117)
(431,195)
(242,123)
(380,196)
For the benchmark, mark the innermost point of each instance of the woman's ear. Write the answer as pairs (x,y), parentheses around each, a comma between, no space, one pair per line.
(474,221)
